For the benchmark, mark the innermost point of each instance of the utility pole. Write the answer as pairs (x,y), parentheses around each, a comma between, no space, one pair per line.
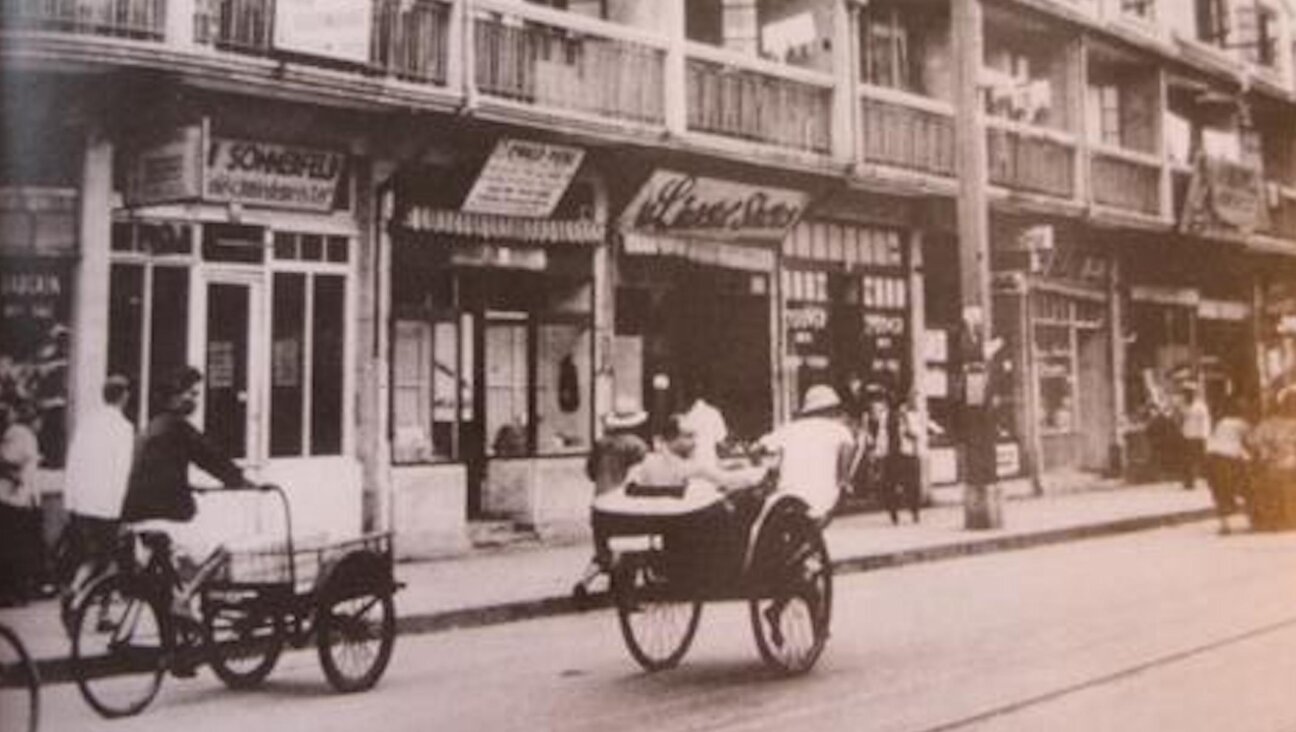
(982,502)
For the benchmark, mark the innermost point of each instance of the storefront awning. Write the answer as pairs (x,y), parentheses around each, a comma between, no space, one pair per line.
(489,227)
(702,251)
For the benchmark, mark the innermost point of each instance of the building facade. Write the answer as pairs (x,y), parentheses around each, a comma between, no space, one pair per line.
(419,247)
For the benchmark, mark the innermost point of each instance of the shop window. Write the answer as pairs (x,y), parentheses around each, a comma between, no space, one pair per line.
(426,370)
(306,384)
(148,327)
(233,244)
(507,386)
(563,410)
(1062,325)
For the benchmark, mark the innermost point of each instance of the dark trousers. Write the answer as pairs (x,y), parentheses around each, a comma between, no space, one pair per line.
(1227,478)
(21,552)
(1193,454)
(900,485)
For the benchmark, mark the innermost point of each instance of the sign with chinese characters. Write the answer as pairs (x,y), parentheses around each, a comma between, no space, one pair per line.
(523,178)
(338,29)
(682,204)
(266,174)
(168,169)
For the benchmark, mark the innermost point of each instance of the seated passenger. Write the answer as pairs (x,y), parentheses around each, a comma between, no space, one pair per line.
(674,462)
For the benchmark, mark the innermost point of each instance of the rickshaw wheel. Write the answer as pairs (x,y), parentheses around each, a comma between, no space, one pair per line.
(120,646)
(244,644)
(657,630)
(791,620)
(355,633)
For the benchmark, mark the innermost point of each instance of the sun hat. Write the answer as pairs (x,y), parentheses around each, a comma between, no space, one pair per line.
(819,398)
(625,415)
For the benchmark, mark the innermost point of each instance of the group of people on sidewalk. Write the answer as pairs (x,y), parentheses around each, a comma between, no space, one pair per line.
(1246,467)
(113,478)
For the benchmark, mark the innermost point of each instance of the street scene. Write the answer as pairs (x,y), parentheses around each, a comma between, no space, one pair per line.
(896,364)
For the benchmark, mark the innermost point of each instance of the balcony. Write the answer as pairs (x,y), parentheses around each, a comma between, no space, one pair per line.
(741,97)
(1282,217)
(143,20)
(409,40)
(1031,159)
(1125,180)
(907,131)
(566,62)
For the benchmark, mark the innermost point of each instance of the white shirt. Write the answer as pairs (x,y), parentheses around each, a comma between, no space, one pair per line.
(1228,437)
(709,429)
(811,447)
(98,464)
(1197,421)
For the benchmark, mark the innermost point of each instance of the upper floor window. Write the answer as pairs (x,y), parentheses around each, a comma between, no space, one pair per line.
(1213,21)
(1144,10)
(1257,34)
(905,46)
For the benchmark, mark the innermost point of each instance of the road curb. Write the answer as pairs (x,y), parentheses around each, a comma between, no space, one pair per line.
(59,670)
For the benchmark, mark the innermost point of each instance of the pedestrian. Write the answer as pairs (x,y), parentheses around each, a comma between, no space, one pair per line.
(98,466)
(708,424)
(1226,462)
(20,517)
(1272,445)
(891,442)
(1194,429)
(622,447)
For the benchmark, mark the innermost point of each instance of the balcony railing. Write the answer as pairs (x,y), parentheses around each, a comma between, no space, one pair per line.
(736,96)
(135,19)
(1282,217)
(1031,159)
(409,40)
(568,62)
(1126,180)
(908,132)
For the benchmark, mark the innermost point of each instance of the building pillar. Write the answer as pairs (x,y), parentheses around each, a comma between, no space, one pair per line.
(982,502)
(675,73)
(845,105)
(1115,318)
(918,354)
(89,347)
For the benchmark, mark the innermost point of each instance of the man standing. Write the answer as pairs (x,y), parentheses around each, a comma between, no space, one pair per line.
(98,466)
(1196,429)
(21,547)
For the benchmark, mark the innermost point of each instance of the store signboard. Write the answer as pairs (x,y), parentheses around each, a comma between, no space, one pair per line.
(267,174)
(1224,196)
(168,168)
(686,205)
(336,29)
(523,178)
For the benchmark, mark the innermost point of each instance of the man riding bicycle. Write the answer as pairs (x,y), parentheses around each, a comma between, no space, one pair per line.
(158,494)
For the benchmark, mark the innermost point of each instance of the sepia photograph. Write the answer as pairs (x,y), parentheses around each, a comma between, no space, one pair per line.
(735,365)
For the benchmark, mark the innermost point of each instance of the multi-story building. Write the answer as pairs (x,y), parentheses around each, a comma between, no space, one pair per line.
(418,246)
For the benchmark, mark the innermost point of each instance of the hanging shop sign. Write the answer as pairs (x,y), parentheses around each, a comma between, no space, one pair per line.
(523,178)
(336,29)
(168,168)
(1224,197)
(266,174)
(682,204)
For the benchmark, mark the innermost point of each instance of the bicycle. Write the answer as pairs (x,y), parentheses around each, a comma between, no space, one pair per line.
(127,635)
(19,685)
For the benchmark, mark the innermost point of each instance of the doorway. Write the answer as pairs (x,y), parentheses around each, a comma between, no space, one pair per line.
(232,359)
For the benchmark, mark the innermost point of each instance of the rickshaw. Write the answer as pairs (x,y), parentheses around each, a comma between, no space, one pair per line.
(674,548)
(253,604)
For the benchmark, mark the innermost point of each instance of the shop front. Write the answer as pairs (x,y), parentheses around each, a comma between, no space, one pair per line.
(697,314)
(492,344)
(237,255)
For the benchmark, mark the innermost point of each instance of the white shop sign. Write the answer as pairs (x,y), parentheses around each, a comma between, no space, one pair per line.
(523,178)
(338,29)
(265,174)
(168,169)
(685,205)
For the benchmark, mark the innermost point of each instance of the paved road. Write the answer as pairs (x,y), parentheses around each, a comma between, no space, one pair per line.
(1172,629)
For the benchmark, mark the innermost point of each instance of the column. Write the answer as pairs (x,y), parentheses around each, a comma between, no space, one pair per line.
(918,352)
(675,81)
(1115,316)
(845,106)
(89,347)
(981,501)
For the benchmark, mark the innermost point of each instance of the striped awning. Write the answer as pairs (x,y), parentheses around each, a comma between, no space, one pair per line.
(502,228)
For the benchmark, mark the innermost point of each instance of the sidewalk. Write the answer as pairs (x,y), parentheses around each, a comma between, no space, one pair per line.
(504,585)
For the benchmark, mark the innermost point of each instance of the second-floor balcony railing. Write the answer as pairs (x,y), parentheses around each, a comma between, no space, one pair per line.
(1032,159)
(568,62)
(738,96)
(135,19)
(906,131)
(409,40)
(1126,180)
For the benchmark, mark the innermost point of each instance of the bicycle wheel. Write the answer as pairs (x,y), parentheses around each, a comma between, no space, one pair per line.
(19,685)
(355,634)
(243,640)
(657,628)
(120,644)
(791,622)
